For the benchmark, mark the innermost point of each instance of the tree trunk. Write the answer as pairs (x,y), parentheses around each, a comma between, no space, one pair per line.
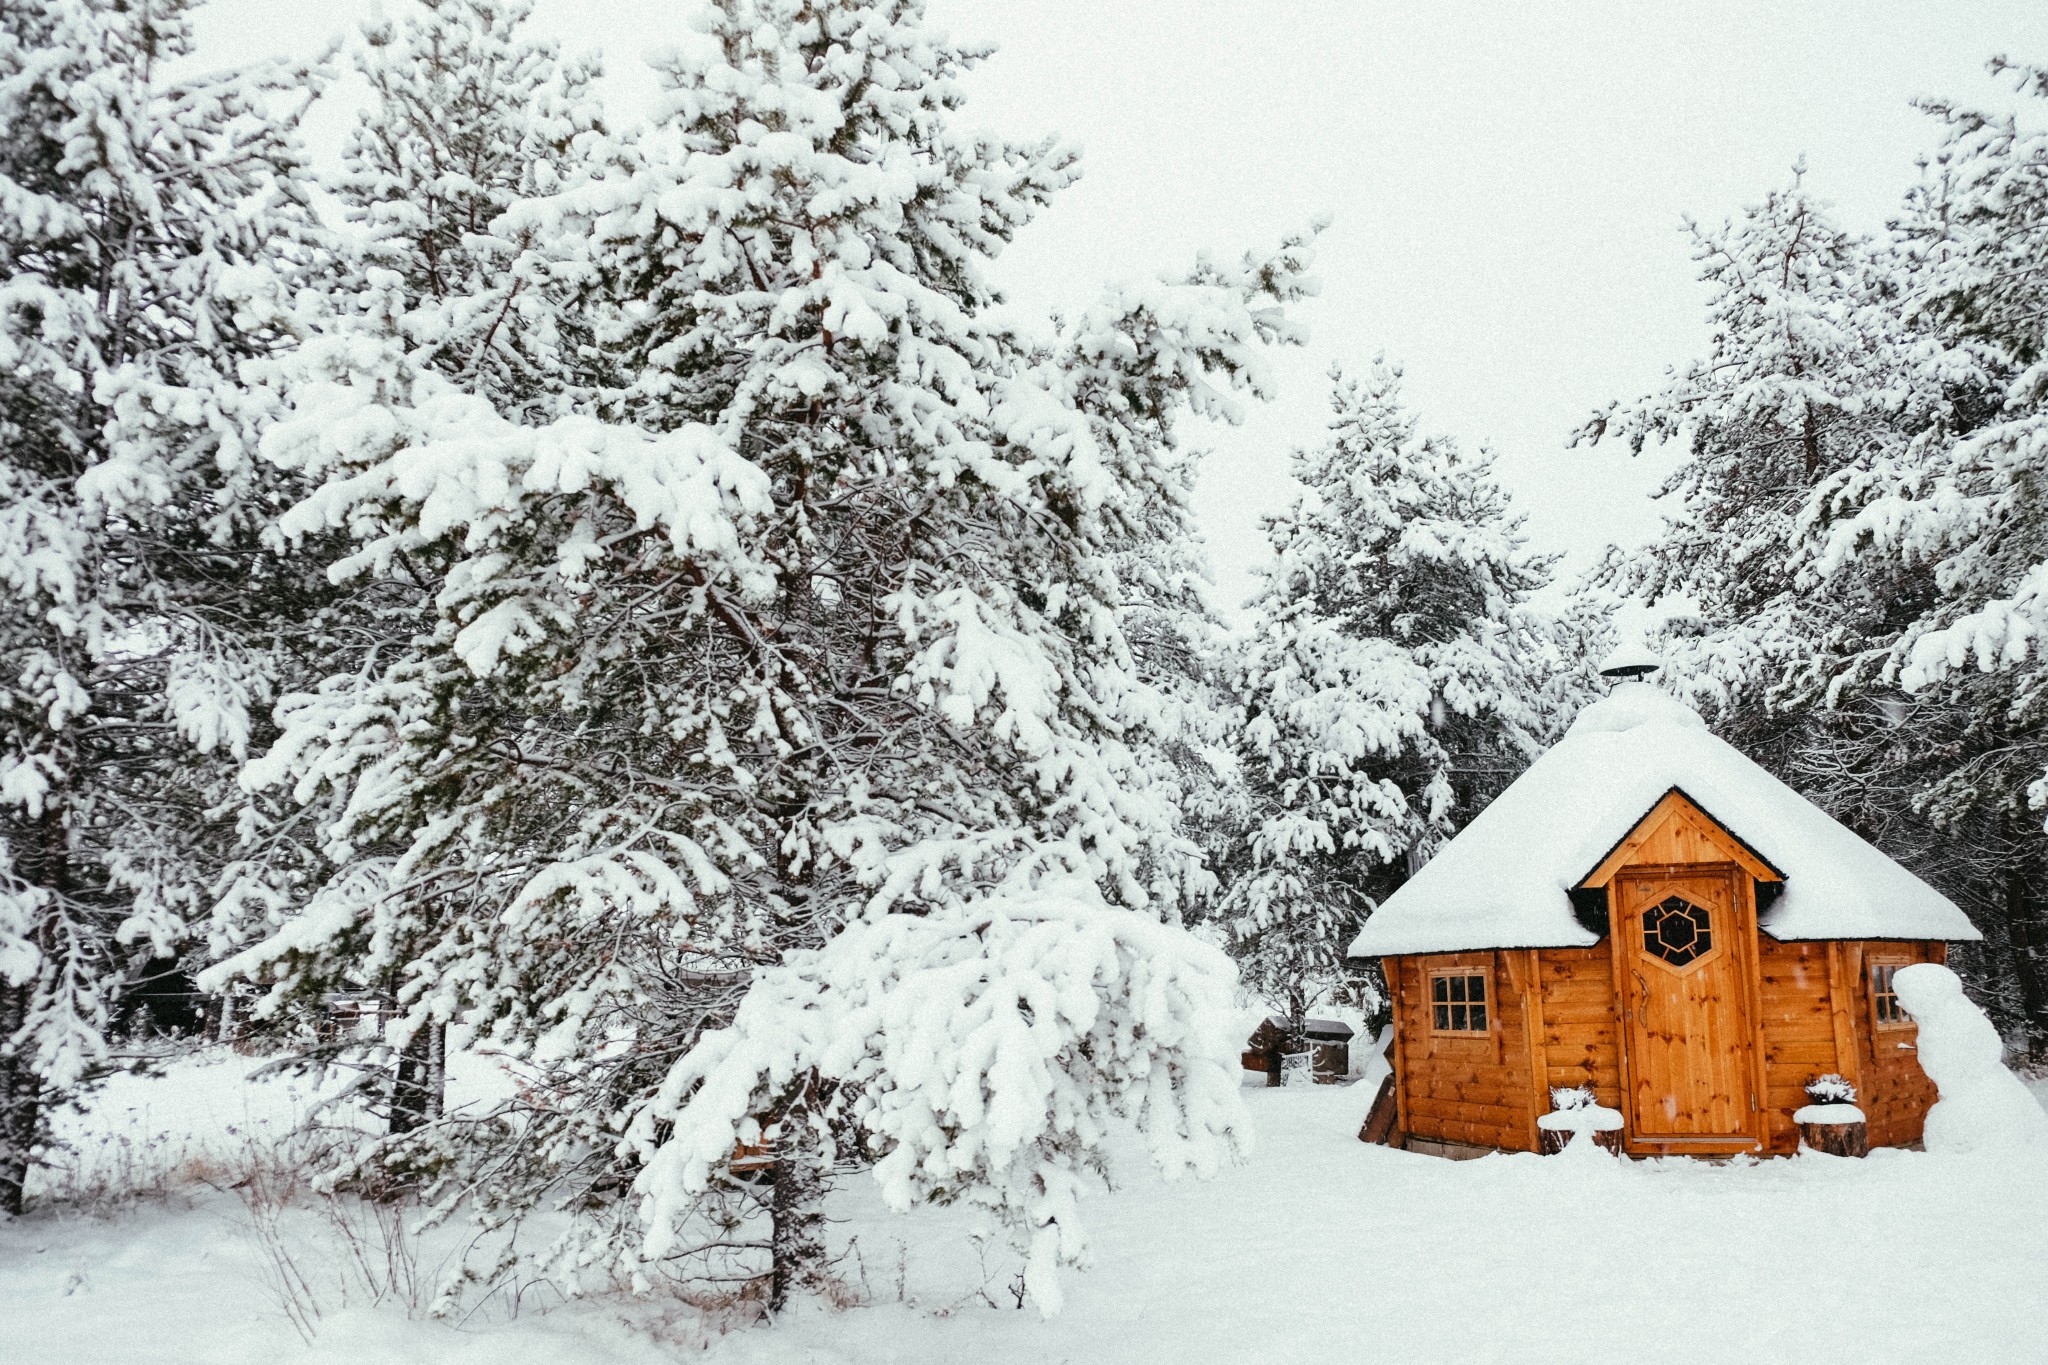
(2024,922)
(417,1089)
(437,1070)
(45,862)
(1297,1021)
(1837,1139)
(20,1101)
(797,1238)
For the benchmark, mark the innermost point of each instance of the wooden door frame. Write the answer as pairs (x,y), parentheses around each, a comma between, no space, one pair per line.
(1749,999)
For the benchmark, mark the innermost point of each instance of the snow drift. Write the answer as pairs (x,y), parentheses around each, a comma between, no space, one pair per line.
(1983,1106)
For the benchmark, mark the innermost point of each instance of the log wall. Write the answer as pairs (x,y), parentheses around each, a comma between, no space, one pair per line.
(1485,1091)
(1470,1090)
(1894,1092)
(1818,1017)
(1576,987)
(1798,1031)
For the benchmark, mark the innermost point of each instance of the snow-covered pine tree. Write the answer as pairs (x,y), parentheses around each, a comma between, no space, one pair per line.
(469,113)
(1390,678)
(1810,371)
(1183,654)
(1819,386)
(148,227)
(1046,871)
(804,671)
(1946,710)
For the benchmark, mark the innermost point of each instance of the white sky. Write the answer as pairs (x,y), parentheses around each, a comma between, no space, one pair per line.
(1506,181)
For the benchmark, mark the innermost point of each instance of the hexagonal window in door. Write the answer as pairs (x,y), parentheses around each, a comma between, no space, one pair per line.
(1677,931)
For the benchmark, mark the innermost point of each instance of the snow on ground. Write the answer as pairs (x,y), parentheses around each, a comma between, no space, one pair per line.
(1320,1250)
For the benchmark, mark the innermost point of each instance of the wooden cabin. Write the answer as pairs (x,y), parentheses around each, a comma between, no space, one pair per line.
(1649,913)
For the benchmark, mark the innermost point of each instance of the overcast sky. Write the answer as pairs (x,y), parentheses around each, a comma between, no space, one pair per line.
(1505,180)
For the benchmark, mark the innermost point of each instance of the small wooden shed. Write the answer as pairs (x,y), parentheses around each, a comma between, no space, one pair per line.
(1649,913)
(1329,1049)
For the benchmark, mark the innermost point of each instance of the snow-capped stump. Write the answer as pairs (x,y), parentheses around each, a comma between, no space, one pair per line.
(1983,1106)
(1648,913)
(1830,1121)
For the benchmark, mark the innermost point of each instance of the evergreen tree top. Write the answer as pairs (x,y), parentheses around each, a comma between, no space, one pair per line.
(1397,534)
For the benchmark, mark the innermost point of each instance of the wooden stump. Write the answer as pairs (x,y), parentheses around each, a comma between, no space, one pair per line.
(1551,1141)
(1836,1139)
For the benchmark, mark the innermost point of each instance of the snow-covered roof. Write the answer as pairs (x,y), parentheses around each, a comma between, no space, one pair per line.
(1503,882)
(1327,1030)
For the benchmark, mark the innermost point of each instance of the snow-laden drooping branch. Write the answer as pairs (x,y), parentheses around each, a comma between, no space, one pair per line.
(979,1055)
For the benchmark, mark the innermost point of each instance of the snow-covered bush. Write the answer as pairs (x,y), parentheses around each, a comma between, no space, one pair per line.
(1829,1099)
(1575,1109)
(1983,1106)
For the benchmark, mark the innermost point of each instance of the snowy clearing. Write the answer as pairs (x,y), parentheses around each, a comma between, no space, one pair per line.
(1320,1249)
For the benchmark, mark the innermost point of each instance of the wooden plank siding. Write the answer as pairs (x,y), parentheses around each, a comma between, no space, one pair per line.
(1676,831)
(1798,1029)
(1474,1091)
(1579,1035)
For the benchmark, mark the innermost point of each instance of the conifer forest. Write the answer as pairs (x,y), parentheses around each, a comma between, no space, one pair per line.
(611,747)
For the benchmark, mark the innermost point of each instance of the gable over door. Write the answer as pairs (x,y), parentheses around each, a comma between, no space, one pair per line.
(1681,954)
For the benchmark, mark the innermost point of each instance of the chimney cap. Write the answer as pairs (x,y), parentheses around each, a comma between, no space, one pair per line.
(1630,660)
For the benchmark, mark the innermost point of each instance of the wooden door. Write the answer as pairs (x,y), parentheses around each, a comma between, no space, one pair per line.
(1680,961)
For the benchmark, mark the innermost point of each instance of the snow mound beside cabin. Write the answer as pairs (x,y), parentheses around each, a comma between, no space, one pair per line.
(1504,881)
(1983,1106)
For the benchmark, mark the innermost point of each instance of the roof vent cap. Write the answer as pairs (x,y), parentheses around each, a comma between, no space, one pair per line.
(1630,660)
